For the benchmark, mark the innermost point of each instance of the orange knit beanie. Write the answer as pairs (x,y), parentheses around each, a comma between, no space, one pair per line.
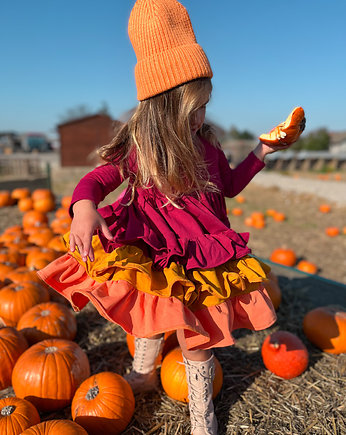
(165,45)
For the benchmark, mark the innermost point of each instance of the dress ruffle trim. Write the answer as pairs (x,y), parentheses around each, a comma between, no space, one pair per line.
(144,315)
(195,288)
(129,225)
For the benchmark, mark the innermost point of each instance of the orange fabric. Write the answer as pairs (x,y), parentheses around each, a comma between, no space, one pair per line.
(166,48)
(194,288)
(144,315)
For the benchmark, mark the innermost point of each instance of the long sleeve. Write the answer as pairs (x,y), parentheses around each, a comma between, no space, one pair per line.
(235,180)
(97,184)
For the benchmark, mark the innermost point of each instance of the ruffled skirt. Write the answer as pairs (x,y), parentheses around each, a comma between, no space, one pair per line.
(127,289)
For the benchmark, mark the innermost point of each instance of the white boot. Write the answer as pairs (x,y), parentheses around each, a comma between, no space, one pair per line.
(143,376)
(200,376)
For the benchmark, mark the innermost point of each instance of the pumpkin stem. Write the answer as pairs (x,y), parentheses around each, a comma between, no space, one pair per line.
(92,393)
(7,410)
(275,345)
(45,313)
(51,349)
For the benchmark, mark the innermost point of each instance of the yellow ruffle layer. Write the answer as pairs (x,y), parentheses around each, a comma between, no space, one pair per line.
(195,288)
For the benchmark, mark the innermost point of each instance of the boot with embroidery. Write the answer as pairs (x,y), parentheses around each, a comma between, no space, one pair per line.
(200,376)
(143,376)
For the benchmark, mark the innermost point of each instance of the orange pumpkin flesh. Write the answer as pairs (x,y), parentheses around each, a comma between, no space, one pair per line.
(287,132)
(103,403)
(49,373)
(325,327)
(284,354)
(55,427)
(16,415)
(173,376)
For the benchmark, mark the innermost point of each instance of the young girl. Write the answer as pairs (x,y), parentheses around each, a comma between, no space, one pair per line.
(163,257)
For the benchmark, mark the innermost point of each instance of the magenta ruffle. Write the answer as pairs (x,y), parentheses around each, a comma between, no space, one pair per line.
(196,236)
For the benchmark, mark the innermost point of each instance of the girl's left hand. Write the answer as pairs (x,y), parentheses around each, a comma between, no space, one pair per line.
(262,149)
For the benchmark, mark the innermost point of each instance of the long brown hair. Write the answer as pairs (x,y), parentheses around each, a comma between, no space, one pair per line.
(159,132)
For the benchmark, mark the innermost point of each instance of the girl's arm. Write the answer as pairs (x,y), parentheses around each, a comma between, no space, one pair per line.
(89,192)
(235,180)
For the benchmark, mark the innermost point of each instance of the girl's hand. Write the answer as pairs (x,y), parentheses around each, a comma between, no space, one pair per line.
(85,221)
(262,149)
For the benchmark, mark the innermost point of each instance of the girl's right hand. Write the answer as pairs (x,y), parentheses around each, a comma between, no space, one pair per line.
(85,221)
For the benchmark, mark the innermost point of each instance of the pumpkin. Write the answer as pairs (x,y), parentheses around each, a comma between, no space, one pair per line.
(41,237)
(25,204)
(20,192)
(55,427)
(61,225)
(49,373)
(236,211)
(324,208)
(10,256)
(284,354)
(103,403)
(17,298)
(12,345)
(170,342)
(270,212)
(5,269)
(48,320)
(62,213)
(284,256)
(332,231)
(325,327)
(273,289)
(288,131)
(240,198)
(66,201)
(45,204)
(16,415)
(173,376)
(34,218)
(23,274)
(57,244)
(41,193)
(38,259)
(5,198)
(279,216)
(307,266)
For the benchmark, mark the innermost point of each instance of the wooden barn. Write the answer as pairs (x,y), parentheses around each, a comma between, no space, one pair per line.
(80,138)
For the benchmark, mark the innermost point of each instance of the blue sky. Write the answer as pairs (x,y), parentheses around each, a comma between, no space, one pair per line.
(267,56)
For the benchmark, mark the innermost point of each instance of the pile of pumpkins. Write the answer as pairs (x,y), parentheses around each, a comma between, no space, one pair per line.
(49,371)
(38,357)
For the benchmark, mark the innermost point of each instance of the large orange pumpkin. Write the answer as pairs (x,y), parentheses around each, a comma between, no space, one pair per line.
(37,259)
(49,373)
(173,376)
(16,415)
(284,354)
(23,274)
(48,320)
(284,256)
(325,327)
(56,427)
(103,403)
(12,345)
(16,299)
(287,132)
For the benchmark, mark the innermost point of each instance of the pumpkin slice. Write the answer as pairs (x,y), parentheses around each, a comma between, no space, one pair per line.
(287,132)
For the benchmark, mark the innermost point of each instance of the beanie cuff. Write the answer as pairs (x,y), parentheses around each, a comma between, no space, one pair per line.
(170,68)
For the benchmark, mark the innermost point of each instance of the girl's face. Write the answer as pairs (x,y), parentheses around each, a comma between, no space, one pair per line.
(197,119)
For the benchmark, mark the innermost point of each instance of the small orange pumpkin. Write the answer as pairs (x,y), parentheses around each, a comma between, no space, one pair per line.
(12,345)
(25,204)
(173,376)
(324,208)
(66,201)
(34,218)
(279,216)
(284,256)
(332,231)
(284,354)
(240,198)
(20,192)
(236,211)
(44,204)
(287,132)
(49,373)
(103,403)
(55,427)
(307,266)
(16,415)
(325,327)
